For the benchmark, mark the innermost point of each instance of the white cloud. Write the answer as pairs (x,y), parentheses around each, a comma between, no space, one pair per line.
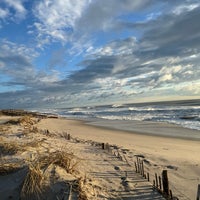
(17,5)
(153,16)
(52,77)
(166,77)
(169,73)
(119,47)
(10,48)
(191,88)
(3,13)
(185,8)
(71,21)
(57,18)
(17,68)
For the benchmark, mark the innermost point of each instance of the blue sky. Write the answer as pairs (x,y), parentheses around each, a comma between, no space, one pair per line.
(63,53)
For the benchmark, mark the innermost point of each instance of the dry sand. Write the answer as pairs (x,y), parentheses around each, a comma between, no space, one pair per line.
(179,156)
(104,175)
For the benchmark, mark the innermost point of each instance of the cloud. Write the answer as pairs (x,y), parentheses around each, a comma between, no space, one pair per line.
(189,88)
(56,19)
(187,6)
(7,47)
(164,56)
(101,15)
(75,22)
(169,36)
(18,72)
(3,13)
(162,59)
(12,10)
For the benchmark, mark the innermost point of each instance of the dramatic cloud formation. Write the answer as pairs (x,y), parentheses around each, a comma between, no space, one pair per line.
(83,52)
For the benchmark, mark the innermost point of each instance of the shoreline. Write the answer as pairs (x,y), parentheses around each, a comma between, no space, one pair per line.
(147,128)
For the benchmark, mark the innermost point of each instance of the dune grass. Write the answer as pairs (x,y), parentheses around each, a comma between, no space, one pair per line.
(9,167)
(67,161)
(8,148)
(33,186)
(11,147)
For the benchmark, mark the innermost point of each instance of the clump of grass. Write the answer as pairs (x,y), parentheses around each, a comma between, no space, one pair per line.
(26,120)
(81,190)
(66,160)
(32,186)
(8,148)
(11,148)
(10,167)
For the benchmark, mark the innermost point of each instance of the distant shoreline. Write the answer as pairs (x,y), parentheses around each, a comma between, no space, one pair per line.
(148,128)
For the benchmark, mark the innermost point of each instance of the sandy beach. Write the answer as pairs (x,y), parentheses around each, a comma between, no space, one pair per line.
(108,177)
(179,156)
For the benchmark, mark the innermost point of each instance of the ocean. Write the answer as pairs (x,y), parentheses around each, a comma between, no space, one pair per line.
(183,113)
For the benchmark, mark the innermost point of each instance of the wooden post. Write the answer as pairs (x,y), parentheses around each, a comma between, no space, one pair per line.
(136,167)
(160,184)
(138,164)
(198,192)
(154,183)
(141,170)
(170,193)
(68,136)
(142,165)
(148,176)
(103,145)
(156,177)
(165,182)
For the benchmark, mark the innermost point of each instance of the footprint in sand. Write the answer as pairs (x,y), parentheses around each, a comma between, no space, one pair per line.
(117,168)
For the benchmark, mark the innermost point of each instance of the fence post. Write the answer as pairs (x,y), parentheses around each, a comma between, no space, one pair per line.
(103,145)
(165,182)
(154,185)
(171,195)
(138,164)
(156,177)
(148,176)
(160,185)
(198,192)
(142,165)
(68,136)
(136,169)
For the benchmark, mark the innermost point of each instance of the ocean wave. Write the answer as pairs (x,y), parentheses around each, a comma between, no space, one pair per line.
(185,115)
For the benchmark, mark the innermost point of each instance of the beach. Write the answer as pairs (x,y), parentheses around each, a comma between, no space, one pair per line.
(180,156)
(161,146)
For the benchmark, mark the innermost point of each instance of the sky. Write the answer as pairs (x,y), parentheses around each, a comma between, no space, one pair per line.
(69,53)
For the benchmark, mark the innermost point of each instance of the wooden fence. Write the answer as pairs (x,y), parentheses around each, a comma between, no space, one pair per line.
(159,182)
